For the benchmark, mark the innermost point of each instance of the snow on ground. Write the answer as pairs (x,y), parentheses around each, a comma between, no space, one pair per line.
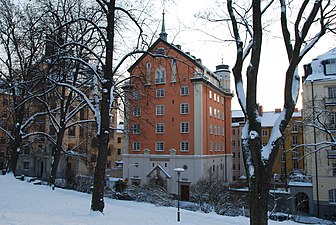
(22,203)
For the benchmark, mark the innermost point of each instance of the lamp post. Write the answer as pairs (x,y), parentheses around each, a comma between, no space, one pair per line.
(178,171)
(134,164)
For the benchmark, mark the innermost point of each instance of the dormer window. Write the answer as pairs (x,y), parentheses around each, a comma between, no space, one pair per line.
(329,67)
(160,76)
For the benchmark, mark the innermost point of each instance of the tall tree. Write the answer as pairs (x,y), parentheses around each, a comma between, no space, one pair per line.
(102,27)
(259,159)
(21,41)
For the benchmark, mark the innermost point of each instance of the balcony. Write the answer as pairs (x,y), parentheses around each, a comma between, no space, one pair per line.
(330,101)
(332,154)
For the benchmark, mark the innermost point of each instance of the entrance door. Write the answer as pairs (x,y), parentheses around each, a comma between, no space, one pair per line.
(185,192)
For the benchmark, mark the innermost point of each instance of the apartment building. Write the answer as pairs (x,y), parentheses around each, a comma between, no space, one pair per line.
(319,101)
(179,116)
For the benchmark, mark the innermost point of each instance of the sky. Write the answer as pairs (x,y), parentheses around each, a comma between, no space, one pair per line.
(184,28)
(23,203)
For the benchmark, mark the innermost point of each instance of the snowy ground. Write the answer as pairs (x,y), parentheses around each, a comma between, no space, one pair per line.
(22,203)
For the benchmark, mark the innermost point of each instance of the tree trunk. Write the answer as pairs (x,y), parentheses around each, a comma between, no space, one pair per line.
(13,158)
(97,203)
(258,199)
(56,157)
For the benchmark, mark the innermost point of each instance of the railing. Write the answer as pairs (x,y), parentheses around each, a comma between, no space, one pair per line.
(332,154)
(330,101)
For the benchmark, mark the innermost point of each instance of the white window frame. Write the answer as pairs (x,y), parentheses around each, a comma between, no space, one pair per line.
(184,127)
(136,129)
(330,67)
(184,146)
(295,128)
(159,128)
(160,76)
(264,133)
(137,111)
(136,146)
(184,91)
(215,129)
(210,127)
(160,93)
(215,113)
(295,140)
(159,110)
(332,196)
(210,94)
(184,108)
(136,94)
(159,146)
(210,110)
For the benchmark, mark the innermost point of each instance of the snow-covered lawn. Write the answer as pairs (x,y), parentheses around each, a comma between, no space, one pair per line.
(22,203)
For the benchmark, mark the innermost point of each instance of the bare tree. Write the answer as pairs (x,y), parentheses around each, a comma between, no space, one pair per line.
(21,41)
(259,159)
(101,32)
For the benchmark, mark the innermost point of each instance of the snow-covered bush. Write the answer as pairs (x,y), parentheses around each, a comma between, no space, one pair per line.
(215,196)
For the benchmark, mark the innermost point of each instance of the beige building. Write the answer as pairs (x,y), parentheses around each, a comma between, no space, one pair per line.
(319,93)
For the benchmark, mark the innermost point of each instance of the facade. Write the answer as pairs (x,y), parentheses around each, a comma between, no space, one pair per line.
(5,124)
(179,116)
(115,163)
(319,100)
(289,160)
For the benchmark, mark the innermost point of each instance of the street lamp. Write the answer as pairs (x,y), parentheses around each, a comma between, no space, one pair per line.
(131,165)
(178,171)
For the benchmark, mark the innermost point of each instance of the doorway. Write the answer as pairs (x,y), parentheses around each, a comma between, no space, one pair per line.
(185,192)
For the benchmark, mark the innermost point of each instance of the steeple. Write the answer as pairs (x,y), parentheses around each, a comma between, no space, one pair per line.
(163,34)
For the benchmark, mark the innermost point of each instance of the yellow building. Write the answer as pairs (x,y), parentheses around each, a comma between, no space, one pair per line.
(289,160)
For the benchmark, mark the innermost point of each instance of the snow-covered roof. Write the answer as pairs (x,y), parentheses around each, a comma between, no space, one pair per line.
(237,113)
(301,184)
(158,166)
(317,66)
(267,119)
(120,127)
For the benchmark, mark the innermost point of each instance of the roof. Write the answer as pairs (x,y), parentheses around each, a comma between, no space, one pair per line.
(159,167)
(317,67)
(267,119)
(160,40)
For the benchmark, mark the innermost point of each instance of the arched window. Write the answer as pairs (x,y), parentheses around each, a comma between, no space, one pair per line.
(148,73)
(173,76)
(160,76)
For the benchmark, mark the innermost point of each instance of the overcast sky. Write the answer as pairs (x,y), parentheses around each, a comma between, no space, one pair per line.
(273,63)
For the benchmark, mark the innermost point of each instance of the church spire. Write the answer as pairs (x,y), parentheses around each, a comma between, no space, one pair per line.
(163,34)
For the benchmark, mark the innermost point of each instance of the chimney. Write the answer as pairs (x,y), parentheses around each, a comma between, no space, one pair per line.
(277,110)
(260,110)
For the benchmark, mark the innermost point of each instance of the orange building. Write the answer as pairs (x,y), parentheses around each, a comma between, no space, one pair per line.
(178,116)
